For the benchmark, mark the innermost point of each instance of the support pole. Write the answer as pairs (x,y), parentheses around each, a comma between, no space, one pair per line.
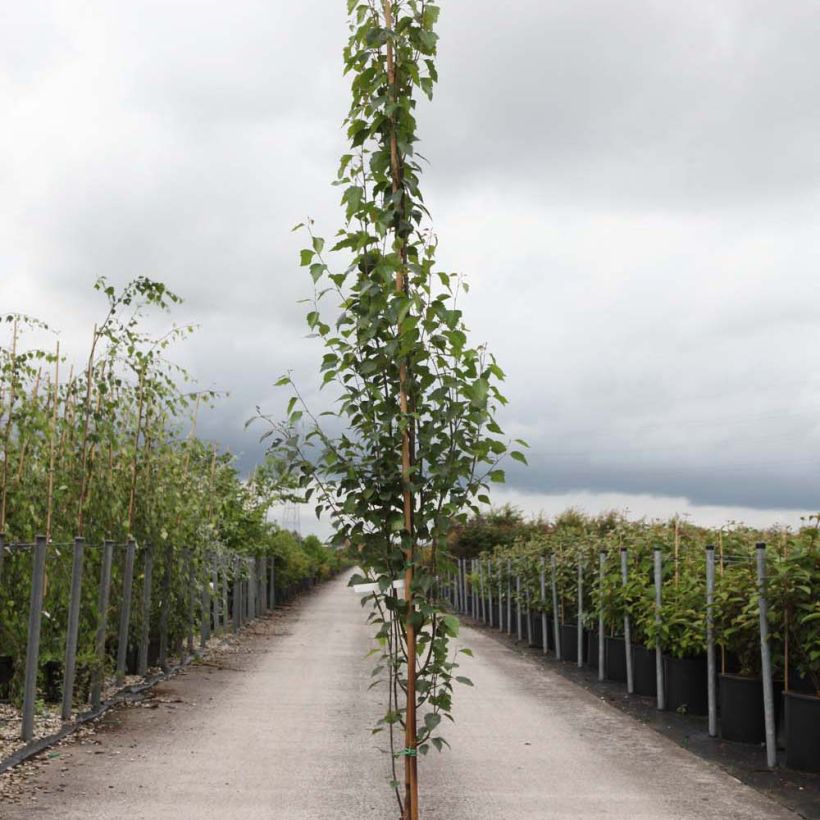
(70,666)
(658,648)
(490,607)
(556,628)
(223,565)
(481,590)
(103,598)
(35,614)
(500,600)
(518,630)
(528,615)
(205,608)
(237,595)
(125,607)
(215,593)
(544,630)
(580,624)
(601,655)
(765,658)
(165,605)
(509,597)
(711,670)
(630,678)
(145,625)
(189,564)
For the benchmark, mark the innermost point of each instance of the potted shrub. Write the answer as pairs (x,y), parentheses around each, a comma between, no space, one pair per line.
(640,602)
(796,586)
(737,629)
(682,636)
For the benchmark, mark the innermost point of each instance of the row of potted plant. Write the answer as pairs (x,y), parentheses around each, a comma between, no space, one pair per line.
(792,586)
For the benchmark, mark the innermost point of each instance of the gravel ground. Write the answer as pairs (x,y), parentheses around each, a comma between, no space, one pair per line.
(279,728)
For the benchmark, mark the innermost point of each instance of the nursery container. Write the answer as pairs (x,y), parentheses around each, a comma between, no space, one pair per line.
(6,674)
(802,731)
(53,681)
(616,659)
(569,643)
(644,679)
(685,684)
(591,648)
(741,709)
(537,636)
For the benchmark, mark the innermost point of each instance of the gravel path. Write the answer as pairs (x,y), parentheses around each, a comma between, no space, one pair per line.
(279,729)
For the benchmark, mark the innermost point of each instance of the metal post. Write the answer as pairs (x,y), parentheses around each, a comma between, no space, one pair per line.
(145,625)
(165,605)
(224,567)
(500,600)
(125,607)
(35,613)
(544,638)
(251,589)
(272,591)
(556,629)
(490,602)
(518,631)
(630,679)
(481,590)
(205,609)
(237,595)
(215,596)
(70,666)
(711,680)
(509,597)
(658,648)
(102,622)
(765,658)
(580,624)
(189,562)
(601,655)
(528,615)
(262,572)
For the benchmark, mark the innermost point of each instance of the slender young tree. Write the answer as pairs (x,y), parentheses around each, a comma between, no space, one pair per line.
(412,443)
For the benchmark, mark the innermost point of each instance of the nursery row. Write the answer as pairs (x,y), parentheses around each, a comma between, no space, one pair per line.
(730,630)
(75,614)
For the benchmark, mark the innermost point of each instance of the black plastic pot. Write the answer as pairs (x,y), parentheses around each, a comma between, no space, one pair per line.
(802,731)
(537,631)
(592,648)
(741,709)
(685,684)
(644,676)
(53,675)
(6,674)
(569,643)
(616,659)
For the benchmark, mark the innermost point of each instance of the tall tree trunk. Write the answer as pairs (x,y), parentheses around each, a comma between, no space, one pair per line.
(411,801)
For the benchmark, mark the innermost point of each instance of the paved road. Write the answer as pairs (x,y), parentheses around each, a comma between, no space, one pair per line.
(279,730)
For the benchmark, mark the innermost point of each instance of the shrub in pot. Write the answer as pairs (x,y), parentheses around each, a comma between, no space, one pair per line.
(795,585)
(737,629)
(681,634)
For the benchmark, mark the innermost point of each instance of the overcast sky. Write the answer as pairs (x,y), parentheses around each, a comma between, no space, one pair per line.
(632,190)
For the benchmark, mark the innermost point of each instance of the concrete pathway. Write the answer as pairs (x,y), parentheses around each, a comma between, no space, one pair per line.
(279,729)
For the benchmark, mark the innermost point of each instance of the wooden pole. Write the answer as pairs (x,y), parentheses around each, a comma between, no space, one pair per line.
(411,807)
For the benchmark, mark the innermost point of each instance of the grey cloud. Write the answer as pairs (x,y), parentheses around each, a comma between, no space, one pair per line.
(631,189)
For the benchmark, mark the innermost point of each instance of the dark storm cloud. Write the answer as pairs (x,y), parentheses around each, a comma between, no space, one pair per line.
(632,190)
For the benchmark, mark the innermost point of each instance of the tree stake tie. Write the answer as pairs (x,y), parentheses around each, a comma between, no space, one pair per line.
(408,753)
